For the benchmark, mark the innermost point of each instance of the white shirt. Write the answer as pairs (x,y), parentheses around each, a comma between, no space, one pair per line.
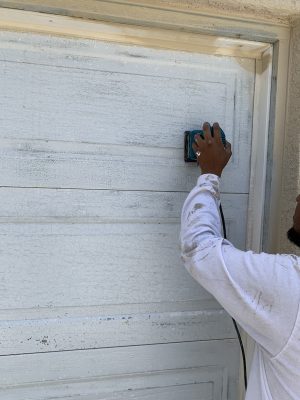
(261,291)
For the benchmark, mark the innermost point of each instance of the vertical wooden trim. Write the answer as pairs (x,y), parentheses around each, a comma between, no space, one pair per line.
(279,93)
(260,130)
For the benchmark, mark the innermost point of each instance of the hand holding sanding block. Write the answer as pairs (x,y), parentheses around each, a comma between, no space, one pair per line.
(189,139)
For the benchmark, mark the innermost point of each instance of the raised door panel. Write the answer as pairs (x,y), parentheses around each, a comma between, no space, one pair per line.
(191,370)
(101,284)
(134,102)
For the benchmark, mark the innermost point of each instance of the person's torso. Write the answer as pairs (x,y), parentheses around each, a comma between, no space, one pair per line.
(276,378)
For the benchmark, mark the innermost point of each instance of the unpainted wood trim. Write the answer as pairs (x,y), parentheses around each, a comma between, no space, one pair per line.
(277,132)
(261,117)
(134,35)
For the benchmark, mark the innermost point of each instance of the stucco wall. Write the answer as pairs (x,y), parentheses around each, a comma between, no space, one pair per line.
(275,10)
(280,10)
(291,159)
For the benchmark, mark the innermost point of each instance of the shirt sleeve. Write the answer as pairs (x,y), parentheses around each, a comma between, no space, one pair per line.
(260,291)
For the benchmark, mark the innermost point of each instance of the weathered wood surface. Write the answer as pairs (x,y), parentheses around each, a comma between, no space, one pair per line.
(68,331)
(96,279)
(41,258)
(76,94)
(92,184)
(92,166)
(68,264)
(40,205)
(208,369)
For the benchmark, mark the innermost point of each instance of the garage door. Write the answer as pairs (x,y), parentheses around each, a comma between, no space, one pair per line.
(95,302)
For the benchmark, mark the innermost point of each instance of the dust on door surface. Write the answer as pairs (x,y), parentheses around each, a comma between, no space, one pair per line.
(95,299)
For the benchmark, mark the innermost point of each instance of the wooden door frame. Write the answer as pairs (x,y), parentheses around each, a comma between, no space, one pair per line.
(268,44)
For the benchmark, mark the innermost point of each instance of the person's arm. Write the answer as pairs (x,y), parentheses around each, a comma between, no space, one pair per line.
(261,291)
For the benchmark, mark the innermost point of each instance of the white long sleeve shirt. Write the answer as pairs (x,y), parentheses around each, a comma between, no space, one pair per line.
(261,291)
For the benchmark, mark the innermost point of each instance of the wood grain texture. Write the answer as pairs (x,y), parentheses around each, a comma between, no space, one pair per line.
(92,186)
(52,327)
(153,37)
(69,265)
(95,330)
(93,166)
(198,17)
(122,97)
(40,205)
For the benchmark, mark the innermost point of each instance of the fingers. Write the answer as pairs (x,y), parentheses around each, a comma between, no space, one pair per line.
(207,133)
(200,142)
(217,133)
(196,149)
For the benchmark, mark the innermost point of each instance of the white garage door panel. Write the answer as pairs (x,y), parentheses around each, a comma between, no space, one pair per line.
(64,205)
(161,389)
(96,206)
(206,369)
(35,331)
(101,94)
(98,100)
(71,265)
(92,185)
(90,166)
(95,279)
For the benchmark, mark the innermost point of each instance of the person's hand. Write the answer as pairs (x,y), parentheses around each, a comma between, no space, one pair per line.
(296,217)
(212,156)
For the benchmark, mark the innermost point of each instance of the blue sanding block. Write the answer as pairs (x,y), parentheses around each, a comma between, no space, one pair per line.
(189,139)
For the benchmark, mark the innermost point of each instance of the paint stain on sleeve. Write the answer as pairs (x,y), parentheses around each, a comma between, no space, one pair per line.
(197,206)
(187,248)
